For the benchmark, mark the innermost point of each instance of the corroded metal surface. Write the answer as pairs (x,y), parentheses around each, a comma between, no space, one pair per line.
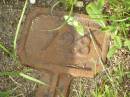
(62,52)
(58,85)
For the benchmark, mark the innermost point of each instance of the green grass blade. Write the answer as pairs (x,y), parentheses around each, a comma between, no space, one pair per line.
(9,73)
(5,93)
(4,49)
(32,79)
(19,25)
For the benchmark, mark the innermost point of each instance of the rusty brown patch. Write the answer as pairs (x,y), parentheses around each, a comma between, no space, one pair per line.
(62,52)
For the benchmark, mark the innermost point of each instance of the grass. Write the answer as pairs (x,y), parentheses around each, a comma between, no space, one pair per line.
(17,73)
(114,20)
(14,55)
(105,89)
(3,48)
(118,18)
(18,27)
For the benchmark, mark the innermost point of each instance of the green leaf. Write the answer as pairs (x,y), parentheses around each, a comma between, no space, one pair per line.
(117,42)
(107,91)
(68,3)
(112,51)
(127,43)
(100,4)
(80,29)
(96,94)
(95,13)
(77,25)
(5,93)
(128,75)
(70,20)
(109,29)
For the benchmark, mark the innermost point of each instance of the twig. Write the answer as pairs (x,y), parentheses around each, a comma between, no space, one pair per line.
(64,23)
(97,51)
(15,81)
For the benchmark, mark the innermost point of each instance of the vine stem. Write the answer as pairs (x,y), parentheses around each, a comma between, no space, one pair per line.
(65,22)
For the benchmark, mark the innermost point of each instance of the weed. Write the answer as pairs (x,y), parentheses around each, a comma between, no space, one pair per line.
(68,3)
(14,55)
(4,48)
(119,24)
(119,21)
(118,28)
(95,12)
(105,89)
(5,93)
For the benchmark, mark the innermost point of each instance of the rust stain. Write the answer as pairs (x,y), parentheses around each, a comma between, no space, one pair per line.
(63,53)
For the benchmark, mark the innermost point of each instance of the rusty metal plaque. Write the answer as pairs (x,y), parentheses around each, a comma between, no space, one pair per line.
(61,52)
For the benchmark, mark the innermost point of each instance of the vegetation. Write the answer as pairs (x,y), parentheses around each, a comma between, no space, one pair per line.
(114,18)
(115,21)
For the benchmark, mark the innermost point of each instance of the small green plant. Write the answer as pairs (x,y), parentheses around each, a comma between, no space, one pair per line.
(77,25)
(68,3)
(119,21)
(106,92)
(117,45)
(118,28)
(104,89)
(5,93)
(94,10)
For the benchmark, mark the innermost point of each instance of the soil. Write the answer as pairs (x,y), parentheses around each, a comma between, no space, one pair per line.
(10,11)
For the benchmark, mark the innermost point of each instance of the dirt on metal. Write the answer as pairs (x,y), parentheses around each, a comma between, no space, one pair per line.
(60,54)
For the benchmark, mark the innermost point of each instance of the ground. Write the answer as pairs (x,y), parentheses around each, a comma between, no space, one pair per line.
(10,11)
